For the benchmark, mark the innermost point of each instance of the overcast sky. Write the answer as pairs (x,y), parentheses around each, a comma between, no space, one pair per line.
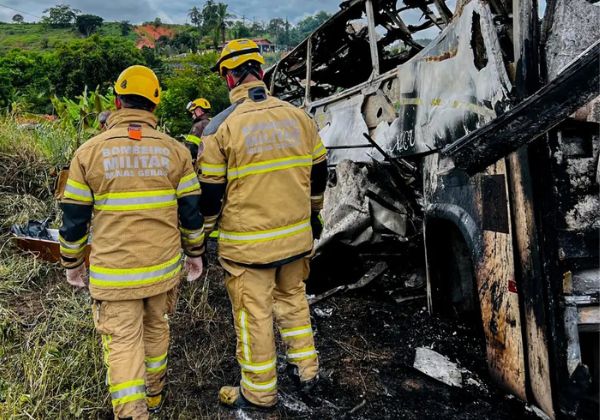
(170,11)
(175,11)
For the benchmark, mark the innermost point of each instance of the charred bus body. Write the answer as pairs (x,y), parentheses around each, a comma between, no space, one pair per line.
(511,211)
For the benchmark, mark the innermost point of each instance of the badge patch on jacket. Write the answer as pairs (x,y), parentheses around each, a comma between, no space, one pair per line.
(135,132)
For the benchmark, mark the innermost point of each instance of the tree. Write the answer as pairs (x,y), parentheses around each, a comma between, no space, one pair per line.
(195,16)
(125,27)
(185,41)
(239,30)
(18,18)
(215,20)
(222,19)
(61,15)
(86,24)
(189,80)
(306,26)
(94,61)
(257,28)
(277,29)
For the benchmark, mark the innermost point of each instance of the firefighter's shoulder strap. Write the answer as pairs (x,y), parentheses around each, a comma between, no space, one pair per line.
(219,119)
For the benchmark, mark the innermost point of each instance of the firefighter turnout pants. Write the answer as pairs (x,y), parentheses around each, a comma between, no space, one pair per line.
(258,294)
(135,341)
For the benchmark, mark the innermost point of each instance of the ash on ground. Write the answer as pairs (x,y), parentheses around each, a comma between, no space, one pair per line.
(366,341)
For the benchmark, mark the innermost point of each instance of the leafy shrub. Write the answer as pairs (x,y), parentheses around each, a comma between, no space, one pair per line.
(191,79)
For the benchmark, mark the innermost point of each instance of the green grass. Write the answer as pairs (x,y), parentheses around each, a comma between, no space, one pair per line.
(36,36)
(50,355)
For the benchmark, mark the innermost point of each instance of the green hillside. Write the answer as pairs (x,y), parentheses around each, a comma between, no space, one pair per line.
(37,36)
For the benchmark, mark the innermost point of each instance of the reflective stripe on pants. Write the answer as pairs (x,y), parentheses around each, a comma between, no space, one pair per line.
(256,294)
(135,340)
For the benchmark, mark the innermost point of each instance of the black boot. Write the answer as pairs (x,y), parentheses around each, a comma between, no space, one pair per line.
(303,386)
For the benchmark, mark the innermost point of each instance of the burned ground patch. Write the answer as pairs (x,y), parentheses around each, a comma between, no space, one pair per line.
(366,342)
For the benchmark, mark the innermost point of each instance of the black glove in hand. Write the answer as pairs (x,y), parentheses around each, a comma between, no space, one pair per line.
(316,224)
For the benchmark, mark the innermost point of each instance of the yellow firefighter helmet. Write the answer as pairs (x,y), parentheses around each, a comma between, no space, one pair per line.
(139,80)
(236,53)
(198,103)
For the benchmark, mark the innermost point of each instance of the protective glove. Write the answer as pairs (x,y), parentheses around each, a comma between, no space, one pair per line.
(78,277)
(194,267)
(316,223)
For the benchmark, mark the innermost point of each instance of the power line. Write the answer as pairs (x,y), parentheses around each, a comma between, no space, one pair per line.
(20,11)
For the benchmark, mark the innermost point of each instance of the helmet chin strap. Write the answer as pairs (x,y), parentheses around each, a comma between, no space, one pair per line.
(230,81)
(232,84)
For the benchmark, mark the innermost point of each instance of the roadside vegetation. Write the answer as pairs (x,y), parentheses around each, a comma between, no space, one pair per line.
(56,75)
(50,356)
(70,53)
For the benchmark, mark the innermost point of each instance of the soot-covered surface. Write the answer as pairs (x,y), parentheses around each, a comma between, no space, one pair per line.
(366,342)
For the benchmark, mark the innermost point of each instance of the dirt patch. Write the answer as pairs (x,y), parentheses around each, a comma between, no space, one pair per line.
(149,34)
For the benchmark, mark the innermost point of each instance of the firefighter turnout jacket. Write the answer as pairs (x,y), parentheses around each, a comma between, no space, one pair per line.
(263,172)
(143,193)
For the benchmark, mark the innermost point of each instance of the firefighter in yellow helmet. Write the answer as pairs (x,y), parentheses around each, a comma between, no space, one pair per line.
(141,188)
(263,174)
(200,110)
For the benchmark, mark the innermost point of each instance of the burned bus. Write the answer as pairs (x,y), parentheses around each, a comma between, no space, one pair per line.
(494,102)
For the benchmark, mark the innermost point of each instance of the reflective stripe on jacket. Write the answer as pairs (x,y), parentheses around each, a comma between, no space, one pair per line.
(263,149)
(137,180)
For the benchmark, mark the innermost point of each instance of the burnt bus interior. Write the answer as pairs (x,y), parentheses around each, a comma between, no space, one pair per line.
(340,50)
(561,170)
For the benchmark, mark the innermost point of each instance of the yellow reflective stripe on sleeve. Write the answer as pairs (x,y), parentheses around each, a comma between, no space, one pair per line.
(187,184)
(78,191)
(319,150)
(259,386)
(296,332)
(193,139)
(269,166)
(193,240)
(258,367)
(211,169)
(302,354)
(245,335)
(132,201)
(192,236)
(116,277)
(265,235)
(72,244)
(156,364)
(64,250)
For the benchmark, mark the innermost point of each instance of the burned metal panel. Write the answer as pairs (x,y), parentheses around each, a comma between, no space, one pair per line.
(434,98)
(492,255)
(571,27)
(574,87)
(529,275)
(494,203)
(365,38)
(341,126)
(529,278)
(454,85)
